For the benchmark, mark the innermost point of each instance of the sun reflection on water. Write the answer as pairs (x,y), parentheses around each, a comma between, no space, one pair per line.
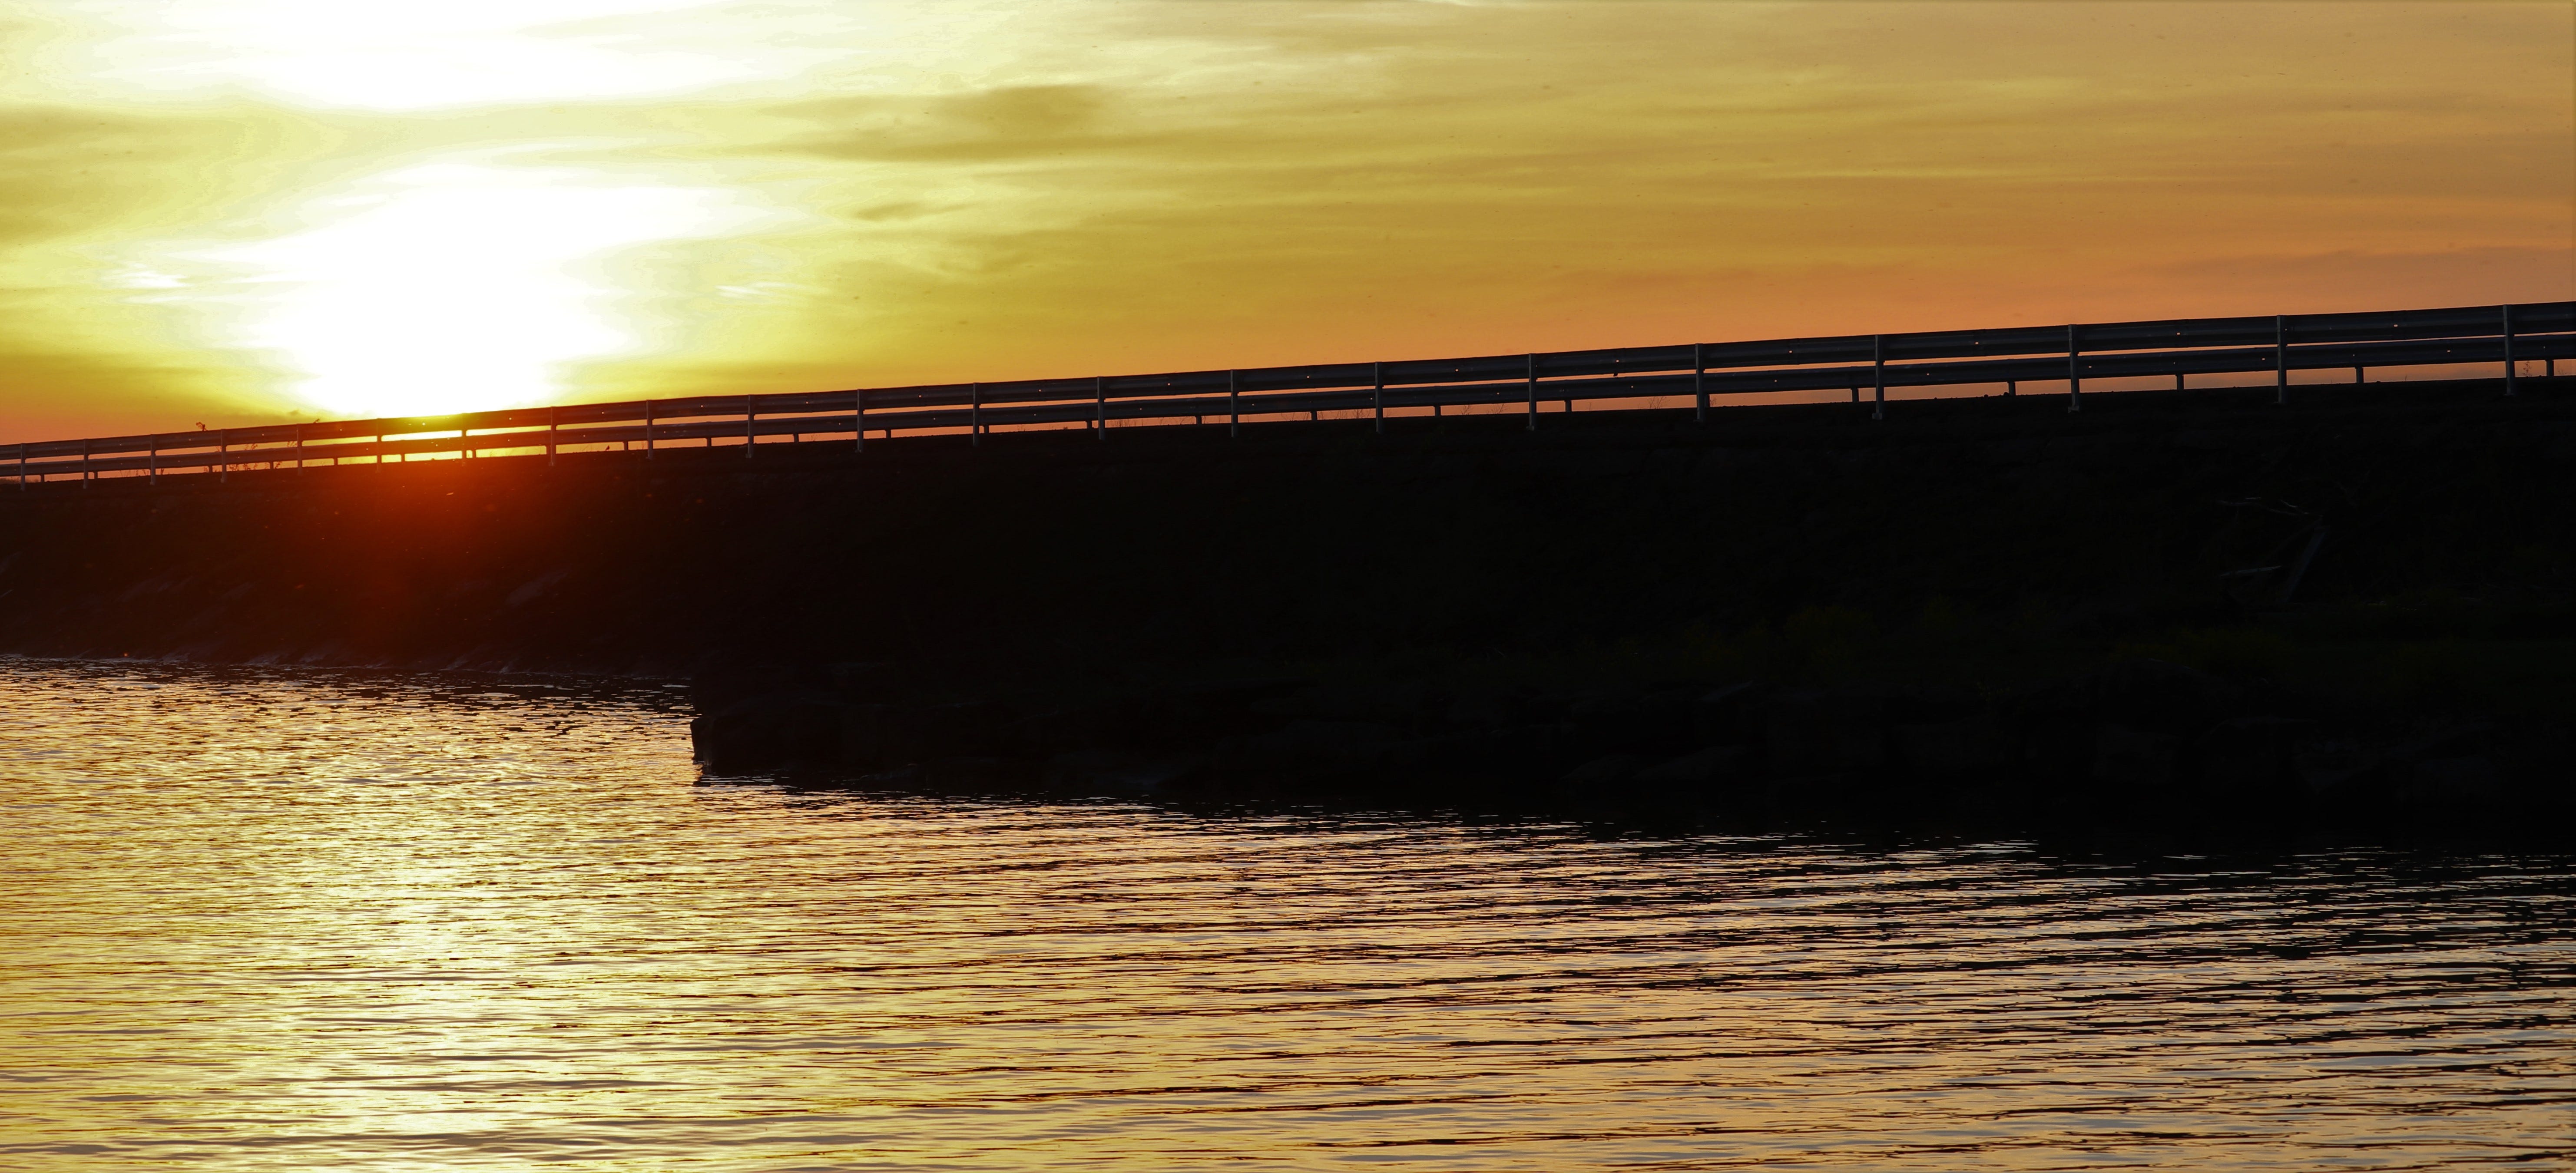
(265,919)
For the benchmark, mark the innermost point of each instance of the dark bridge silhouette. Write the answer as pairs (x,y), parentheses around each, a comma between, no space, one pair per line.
(2541,332)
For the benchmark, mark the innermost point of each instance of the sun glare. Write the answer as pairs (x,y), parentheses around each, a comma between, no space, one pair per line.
(244,209)
(444,280)
(456,286)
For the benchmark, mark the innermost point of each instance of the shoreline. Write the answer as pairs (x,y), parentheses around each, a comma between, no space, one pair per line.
(2143,755)
(2389,562)
(2142,748)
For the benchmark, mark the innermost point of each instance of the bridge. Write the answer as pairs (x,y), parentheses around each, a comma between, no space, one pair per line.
(2063,358)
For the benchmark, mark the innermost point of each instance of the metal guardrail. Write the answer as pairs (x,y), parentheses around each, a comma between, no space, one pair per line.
(2509,334)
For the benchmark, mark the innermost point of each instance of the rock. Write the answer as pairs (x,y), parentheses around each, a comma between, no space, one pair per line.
(1094,726)
(1516,757)
(1731,715)
(1117,772)
(1815,732)
(2244,775)
(870,681)
(1405,703)
(875,737)
(1497,708)
(1808,794)
(2251,756)
(2133,759)
(1694,770)
(2333,766)
(967,729)
(2053,701)
(1602,773)
(1211,709)
(1948,749)
(2465,740)
(2451,783)
(1329,744)
(2056,750)
(717,687)
(909,776)
(979,773)
(1634,720)
(2154,694)
(770,732)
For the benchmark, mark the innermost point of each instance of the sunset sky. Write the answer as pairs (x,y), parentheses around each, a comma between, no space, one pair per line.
(245,211)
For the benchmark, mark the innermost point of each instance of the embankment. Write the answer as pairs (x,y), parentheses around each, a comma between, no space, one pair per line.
(2418,537)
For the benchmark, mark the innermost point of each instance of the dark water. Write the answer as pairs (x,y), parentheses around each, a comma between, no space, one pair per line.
(306,920)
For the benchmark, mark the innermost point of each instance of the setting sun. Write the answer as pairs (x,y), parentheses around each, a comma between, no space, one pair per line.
(254,211)
(379,309)
(1149,586)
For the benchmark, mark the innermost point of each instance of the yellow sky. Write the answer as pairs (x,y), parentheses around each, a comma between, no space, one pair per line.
(231,210)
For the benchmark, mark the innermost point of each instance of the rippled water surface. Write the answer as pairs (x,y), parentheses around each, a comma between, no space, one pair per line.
(308,920)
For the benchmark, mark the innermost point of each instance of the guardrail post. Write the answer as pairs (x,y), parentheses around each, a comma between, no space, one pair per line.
(1699,383)
(2509,379)
(2281,359)
(89,459)
(2074,374)
(975,415)
(1878,368)
(1533,392)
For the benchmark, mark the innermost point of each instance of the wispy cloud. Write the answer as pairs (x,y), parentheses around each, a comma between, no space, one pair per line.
(865,192)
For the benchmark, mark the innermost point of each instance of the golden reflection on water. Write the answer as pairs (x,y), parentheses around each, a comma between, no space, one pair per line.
(293,920)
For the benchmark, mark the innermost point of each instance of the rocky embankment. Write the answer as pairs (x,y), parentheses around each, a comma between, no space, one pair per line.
(1158,553)
(1953,610)
(2142,746)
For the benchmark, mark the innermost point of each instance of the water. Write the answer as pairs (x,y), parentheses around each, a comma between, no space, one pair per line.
(303,920)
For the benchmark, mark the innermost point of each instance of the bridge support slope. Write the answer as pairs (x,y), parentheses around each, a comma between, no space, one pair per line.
(1058,555)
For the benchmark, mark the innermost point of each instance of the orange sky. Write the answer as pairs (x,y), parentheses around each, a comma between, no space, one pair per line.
(228,211)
